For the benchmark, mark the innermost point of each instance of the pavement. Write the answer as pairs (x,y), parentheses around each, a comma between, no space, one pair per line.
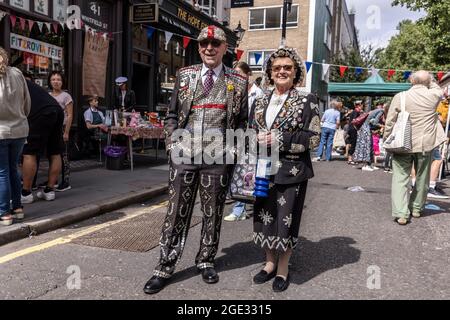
(95,191)
(349,248)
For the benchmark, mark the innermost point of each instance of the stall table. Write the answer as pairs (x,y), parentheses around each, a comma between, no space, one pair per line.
(136,133)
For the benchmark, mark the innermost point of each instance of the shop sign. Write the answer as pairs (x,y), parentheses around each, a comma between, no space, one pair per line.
(241,3)
(21,4)
(191,19)
(96,14)
(25,44)
(144,13)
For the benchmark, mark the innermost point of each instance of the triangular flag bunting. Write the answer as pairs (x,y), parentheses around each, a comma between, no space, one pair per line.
(23,23)
(13,20)
(150,32)
(49,26)
(168,36)
(325,68)
(358,71)
(186,41)
(308,65)
(258,57)
(342,70)
(406,75)
(239,54)
(391,72)
(55,27)
(31,24)
(440,75)
(374,71)
(40,25)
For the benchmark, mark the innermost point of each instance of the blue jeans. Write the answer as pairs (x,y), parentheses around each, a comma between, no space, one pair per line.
(10,184)
(239,209)
(326,139)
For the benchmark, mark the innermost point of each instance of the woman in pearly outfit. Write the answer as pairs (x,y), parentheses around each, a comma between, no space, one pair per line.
(293,119)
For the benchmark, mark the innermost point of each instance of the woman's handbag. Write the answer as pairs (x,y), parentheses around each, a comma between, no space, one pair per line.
(359,121)
(400,140)
(339,138)
(242,186)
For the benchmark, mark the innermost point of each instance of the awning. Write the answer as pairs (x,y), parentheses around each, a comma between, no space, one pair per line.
(374,86)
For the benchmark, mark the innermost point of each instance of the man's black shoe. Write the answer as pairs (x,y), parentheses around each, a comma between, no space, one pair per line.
(263,276)
(155,284)
(210,275)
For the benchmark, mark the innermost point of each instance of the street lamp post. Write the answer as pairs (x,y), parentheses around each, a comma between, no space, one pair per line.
(287,5)
(239,31)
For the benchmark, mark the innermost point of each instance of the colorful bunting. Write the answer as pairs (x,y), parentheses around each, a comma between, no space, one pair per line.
(342,70)
(440,75)
(168,36)
(239,54)
(55,27)
(23,23)
(150,32)
(308,65)
(186,41)
(358,71)
(391,72)
(325,68)
(13,20)
(258,57)
(49,26)
(2,15)
(31,24)
(40,26)
(407,74)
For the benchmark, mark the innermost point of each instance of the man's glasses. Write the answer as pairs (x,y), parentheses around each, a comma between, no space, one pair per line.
(215,43)
(286,67)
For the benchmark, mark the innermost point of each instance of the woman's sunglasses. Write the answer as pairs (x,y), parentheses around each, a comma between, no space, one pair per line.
(286,67)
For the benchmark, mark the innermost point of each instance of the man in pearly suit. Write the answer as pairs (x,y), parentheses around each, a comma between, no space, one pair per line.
(208,98)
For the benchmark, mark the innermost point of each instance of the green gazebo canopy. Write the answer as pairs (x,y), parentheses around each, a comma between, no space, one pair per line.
(374,86)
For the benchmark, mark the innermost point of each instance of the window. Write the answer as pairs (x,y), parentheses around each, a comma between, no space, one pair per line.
(272,18)
(327,36)
(257,59)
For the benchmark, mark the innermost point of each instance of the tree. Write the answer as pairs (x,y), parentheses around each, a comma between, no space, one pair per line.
(410,50)
(436,24)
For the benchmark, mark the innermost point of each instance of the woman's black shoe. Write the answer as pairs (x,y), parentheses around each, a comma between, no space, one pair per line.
(263,276)
(155,284)
(279,284)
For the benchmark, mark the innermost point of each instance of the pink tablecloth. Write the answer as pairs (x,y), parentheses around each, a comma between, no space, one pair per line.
(139,133)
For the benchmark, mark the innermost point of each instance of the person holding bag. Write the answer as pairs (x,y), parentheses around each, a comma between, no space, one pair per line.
(420,102)
(295,118)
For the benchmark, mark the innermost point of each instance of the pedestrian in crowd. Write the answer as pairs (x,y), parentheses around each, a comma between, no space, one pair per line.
(296,117)
(421,102)
(387,164)
(46,121)
(352,133)
(56,83)
(14,109)
(331,120)
(364,145)
(209,97)
(125,98)
(240,209)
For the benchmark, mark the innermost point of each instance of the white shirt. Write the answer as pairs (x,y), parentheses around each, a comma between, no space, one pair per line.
(216,74)
(255,92)
(274,108)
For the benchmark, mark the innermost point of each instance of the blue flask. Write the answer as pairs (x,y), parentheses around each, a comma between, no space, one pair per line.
(262,181)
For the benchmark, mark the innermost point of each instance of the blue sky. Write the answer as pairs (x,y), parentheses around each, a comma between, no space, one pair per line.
(377,20)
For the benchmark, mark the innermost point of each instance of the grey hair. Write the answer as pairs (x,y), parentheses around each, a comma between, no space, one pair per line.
(334,103)
(421,77)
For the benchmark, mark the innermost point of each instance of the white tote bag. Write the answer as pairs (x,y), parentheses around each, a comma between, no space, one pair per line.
(400,139)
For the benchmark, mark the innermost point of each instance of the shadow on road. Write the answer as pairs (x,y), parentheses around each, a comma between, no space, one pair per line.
(308,261)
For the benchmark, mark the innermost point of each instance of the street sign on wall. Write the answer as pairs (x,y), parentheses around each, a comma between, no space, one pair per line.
(144,13)
(241,3)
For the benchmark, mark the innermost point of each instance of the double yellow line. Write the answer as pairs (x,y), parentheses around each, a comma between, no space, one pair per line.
(71,237)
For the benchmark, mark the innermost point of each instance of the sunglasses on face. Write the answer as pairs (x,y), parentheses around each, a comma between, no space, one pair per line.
(215,43)
(286,67)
